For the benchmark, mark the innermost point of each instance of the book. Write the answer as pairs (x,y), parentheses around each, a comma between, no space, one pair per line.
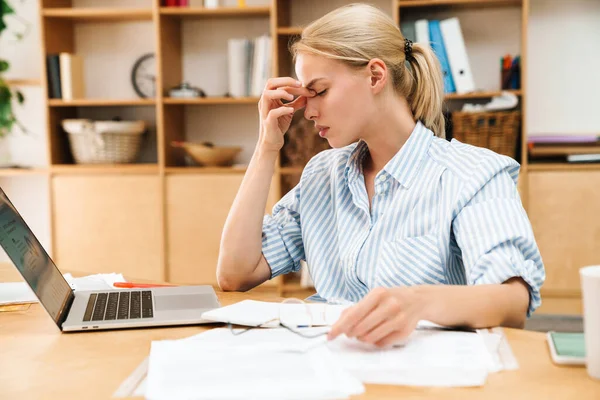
(238,66)
(422,32)
(437,44)
(53,76)
(71,76)
(408,30)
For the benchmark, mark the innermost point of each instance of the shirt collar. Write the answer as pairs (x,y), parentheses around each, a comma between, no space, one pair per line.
(404,165)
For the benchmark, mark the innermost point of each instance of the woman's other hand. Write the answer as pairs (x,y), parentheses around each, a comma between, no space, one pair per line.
(384,317)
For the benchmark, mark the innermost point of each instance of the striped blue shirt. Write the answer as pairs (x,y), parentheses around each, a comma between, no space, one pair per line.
(442,213)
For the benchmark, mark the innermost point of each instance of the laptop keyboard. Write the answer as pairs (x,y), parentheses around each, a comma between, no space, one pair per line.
(119,305)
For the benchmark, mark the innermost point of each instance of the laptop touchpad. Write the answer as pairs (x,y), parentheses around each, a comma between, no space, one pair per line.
(181,301)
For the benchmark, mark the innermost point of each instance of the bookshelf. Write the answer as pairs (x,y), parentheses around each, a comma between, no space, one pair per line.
(167,181)
(160,219)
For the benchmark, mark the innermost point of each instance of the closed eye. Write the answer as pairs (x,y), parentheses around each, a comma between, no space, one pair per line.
(321,93)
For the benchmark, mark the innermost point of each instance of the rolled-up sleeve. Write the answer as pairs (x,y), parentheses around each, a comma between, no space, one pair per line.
(282,243)
(496,238)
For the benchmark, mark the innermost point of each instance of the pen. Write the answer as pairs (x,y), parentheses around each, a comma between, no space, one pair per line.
(131,285)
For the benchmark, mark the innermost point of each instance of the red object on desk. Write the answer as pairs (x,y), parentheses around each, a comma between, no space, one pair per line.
(133,285)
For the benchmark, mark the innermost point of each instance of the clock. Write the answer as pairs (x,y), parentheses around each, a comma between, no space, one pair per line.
(143,76)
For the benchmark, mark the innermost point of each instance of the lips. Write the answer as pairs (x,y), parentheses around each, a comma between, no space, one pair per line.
(322,130)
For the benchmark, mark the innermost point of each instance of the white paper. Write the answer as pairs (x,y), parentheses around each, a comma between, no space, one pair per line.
(94,282)
(186,369)
(273,340)
(16,293)
(266,314)
(428,358)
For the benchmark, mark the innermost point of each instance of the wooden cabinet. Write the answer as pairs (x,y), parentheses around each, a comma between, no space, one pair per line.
(196,210)
(109,223)
(563,208)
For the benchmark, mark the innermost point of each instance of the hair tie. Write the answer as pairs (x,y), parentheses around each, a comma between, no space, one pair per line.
(408,47)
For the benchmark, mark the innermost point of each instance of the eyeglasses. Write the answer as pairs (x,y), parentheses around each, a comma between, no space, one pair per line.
(296,315)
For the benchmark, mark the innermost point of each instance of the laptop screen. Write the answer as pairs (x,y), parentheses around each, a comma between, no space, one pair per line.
(32,261)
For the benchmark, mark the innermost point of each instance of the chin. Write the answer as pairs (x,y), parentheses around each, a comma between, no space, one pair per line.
(338,143)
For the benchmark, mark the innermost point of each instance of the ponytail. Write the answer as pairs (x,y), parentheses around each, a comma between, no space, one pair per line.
(426,88)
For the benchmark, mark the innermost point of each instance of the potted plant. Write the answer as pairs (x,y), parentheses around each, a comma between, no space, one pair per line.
(8,95)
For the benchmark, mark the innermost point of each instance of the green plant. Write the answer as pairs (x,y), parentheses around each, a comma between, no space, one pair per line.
(7,117)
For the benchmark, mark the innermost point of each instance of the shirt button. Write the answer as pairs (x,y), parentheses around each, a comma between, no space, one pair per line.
(382,178)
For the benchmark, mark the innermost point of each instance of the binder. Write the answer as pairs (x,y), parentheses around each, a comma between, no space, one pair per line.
(457,55)
(422,31)
(71,76)
(437,44)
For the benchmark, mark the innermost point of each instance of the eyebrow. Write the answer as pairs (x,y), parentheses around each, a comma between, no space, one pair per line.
(311,83)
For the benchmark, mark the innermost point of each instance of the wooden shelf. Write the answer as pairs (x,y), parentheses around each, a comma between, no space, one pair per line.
(100,102)
(99,14)
(480,95)
(291,170)
(23,82)
(289,30)
(230,12)
(10,172)
(536,167)
(86,169)
(211,100)
(459,3)
(205,170)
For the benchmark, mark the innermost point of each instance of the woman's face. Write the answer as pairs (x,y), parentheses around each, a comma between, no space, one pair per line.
(342,100)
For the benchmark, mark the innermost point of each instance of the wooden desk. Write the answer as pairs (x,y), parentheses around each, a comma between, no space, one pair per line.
(37,361)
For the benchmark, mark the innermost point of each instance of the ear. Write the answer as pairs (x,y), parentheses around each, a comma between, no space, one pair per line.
(378,74)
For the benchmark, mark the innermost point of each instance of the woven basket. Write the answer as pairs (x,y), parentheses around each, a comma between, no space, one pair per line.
(102,145)
(497,131)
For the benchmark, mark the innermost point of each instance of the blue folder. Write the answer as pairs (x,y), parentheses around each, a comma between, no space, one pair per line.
(437,44)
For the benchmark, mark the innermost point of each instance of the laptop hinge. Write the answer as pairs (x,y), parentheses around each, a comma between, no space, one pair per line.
(65,310)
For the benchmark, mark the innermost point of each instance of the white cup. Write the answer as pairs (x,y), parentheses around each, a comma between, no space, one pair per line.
(590,291)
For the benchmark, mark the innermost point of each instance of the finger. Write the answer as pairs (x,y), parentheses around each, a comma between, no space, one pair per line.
(356,313)
(274,83)
(396,337)
(279,112)
(277,94)
(386,310)
(297,104)
(382,330)
(299,91)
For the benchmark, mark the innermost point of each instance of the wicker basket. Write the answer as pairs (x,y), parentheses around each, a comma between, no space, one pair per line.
(104,142)
(497,131)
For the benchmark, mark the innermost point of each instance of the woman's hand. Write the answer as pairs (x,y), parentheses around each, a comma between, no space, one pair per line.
(275,117)
(383,317)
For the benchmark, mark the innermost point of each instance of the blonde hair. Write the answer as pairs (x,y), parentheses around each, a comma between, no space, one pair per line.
(356,33)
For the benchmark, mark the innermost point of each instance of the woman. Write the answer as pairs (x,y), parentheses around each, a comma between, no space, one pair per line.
(394,218)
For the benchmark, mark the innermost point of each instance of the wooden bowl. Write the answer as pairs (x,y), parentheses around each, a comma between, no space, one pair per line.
(208,155)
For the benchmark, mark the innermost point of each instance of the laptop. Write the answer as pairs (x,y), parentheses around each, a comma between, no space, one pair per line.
(74,310)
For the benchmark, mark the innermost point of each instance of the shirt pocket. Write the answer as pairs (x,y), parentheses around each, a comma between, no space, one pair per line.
(410,261)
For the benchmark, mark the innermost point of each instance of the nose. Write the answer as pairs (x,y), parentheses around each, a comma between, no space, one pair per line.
(310,111)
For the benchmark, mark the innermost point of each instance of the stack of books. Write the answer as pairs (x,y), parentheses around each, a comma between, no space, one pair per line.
(64,72)
(446,39)
(249,65)
(564,148)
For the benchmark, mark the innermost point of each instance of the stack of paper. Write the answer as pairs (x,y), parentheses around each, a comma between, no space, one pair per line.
(16,293)
(266,314)
(220,365)
(429,357)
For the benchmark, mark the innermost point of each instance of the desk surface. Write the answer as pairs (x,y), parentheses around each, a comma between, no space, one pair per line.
(38,361)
